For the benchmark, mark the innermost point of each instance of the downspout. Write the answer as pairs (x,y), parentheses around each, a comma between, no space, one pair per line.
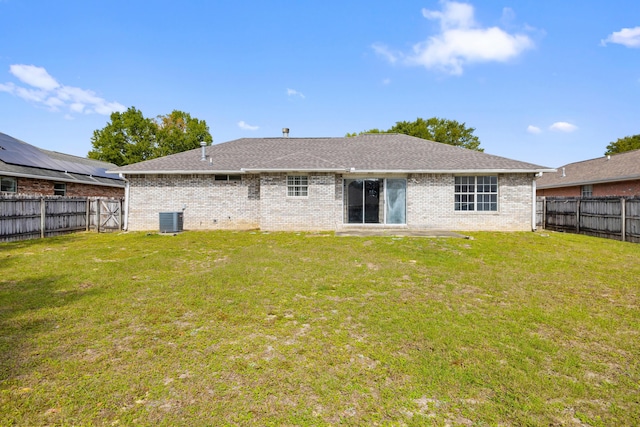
(125,220)
(534,205)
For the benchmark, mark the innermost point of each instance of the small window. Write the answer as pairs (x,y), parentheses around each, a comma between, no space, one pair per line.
(297,186)
(9,185)
(587,190)
(476,193)
(228,178)
(59,189)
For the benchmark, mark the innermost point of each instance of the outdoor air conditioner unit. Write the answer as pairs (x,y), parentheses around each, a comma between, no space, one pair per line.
(171,222)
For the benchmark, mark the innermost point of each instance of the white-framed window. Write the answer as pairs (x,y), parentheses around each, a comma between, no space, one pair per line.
(228,178)
(476,193)
(587,190)
(8,184)
(59,189)
(297,186)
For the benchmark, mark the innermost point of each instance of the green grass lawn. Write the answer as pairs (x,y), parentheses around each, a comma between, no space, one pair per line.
(252,328)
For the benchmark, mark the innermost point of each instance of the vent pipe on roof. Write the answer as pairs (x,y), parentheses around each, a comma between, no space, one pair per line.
(563,173)
(203,144)
(608,156)
(285,132)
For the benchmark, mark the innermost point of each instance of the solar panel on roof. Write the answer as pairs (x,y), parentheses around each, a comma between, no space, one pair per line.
(16,152)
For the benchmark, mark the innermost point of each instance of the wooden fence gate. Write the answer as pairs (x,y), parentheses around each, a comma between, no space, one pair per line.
(105,215)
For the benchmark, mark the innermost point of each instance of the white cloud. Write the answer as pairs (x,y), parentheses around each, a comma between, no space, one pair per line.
(34,76)
(243,125)
(629,37)
(386,81)
(293,92)
(383,51)
(563,127)
(533,129)
(461,41)
(43,89)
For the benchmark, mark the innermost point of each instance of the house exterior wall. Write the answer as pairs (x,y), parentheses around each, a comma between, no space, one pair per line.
(620,188)
(262,202)
(43,187)
(320,210)
(430,204)
(208,204)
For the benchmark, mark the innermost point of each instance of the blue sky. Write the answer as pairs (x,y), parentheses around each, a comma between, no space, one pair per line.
(549,82)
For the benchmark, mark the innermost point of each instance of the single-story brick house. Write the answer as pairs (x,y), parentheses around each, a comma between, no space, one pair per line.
(614,175)
(29,170)
(372,180)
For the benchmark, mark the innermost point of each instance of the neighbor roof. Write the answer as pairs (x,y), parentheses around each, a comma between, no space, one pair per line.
(617,167)
(364,153)
(17,158)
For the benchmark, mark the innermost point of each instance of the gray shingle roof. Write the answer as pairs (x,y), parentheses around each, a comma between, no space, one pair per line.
(617,167)
(364,153)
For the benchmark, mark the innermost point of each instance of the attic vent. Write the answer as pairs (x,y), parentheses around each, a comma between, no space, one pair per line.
(285,132)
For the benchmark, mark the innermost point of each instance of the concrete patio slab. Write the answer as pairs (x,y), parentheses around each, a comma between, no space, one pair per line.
(398,232)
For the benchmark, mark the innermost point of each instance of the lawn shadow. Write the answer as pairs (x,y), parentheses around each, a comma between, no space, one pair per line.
(28,311)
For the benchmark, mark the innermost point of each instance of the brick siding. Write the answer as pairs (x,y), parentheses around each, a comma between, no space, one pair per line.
(208,204)
(430,204)
(262,202)
(620,188)
(43,187)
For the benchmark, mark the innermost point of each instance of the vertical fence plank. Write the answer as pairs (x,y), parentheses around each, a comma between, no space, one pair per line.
(43,211)
(623,220)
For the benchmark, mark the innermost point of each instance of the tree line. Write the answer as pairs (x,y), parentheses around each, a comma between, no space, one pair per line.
(131,138)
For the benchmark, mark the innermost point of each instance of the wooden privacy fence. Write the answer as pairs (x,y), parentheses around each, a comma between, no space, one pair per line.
(610,217)
(33,217)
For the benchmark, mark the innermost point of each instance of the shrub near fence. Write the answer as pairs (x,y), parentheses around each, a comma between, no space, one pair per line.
(610,217)
(32,217)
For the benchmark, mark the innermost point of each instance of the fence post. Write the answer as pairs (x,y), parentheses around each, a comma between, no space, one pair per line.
(544,212)
(98,215)
(43,211)
(623,219)
(578,216)
(120,214)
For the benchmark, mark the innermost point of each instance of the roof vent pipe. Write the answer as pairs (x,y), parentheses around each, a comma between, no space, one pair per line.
(563,173)
(285,132)
(608,156)
(203,144)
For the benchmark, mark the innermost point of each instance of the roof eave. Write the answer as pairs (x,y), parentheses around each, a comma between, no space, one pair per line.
(589,182)
(57,179)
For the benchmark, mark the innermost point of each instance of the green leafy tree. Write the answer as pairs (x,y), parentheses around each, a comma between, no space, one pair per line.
(436,129)
(179,132)
(627,143)
(130,137)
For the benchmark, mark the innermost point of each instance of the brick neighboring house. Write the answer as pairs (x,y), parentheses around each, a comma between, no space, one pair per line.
(375,180)
(29,170)
(615,175)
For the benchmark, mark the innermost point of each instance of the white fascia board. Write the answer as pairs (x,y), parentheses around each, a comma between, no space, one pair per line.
(178,172)
(293,170)
(452,171)
(336,170)
(50,178)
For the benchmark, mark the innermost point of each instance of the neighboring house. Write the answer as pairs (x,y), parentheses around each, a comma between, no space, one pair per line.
(373,180)
(28,170)
(615,175)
